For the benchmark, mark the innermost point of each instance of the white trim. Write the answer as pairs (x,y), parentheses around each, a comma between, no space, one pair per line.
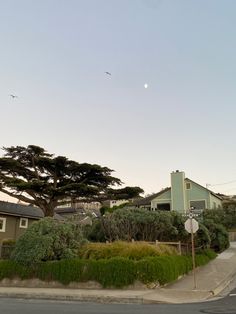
(26,223)
(3,219)
(164,199)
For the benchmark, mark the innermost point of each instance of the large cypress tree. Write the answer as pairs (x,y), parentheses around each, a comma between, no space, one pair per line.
(34,176)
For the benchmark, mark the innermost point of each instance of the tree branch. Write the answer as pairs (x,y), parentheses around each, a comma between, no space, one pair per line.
(19,197)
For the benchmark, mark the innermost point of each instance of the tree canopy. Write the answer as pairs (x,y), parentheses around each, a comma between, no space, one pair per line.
(34,176)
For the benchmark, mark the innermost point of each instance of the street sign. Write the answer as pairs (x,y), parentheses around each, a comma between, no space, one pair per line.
(191,225)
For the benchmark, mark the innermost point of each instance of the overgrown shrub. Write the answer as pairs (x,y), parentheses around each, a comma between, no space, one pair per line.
(218,234)
(202,237)
(95,232)
(48,239)
(135,250)
(140,225)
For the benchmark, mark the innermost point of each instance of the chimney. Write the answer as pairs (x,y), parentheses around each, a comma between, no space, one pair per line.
(178,198)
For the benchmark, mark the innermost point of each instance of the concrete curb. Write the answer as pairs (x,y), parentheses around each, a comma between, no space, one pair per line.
(78,298)
(224,283)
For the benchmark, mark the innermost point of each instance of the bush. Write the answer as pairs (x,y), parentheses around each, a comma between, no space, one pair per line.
(114,272)
(218,234)
(95,232)
(202,237)
(47,239)
(130,250)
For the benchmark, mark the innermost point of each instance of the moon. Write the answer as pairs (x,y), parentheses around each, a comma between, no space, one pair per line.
(145,85)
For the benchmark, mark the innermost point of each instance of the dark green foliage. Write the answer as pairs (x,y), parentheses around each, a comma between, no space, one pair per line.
(48,239)
(140,225)
(218,234)
(202,237)
(95,232)
(32,175)
(225,216)
(115,272)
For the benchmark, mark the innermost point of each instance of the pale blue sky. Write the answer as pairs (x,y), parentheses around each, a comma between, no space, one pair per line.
(53,56)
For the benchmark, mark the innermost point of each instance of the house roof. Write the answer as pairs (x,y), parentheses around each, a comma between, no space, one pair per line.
(20,210)
(147,200)
(65,210)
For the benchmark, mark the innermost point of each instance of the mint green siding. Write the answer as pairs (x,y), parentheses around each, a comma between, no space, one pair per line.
(185,194)
(197,193)
(178,197)
(164,198)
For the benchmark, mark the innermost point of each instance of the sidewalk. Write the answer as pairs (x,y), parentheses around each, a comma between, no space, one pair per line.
(211,280)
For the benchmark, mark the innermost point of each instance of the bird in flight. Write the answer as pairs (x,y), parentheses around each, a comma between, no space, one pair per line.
(108,73)
(13,96)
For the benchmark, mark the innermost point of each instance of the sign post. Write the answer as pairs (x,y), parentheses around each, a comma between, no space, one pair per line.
(191,226)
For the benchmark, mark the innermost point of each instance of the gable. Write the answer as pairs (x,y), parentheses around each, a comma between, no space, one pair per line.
(165,195)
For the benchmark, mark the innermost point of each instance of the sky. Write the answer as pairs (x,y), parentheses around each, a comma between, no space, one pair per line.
(53,57)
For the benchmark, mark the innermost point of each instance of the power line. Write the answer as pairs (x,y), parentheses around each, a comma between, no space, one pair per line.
(233,181)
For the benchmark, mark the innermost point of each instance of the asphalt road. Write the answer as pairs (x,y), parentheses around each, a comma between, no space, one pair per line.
(226,305)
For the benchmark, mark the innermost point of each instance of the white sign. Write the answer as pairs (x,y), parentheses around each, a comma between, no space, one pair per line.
(191,225)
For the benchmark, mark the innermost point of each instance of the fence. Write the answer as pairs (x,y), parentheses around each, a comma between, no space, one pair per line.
(180,246)
(5,251)
(232,236)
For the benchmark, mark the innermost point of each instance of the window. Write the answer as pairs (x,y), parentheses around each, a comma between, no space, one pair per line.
(24,223)
(188,185)
(198,204)
(163,206)
(2,224)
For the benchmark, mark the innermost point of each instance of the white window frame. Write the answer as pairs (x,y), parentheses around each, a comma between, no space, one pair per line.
(3,219)
(26,225)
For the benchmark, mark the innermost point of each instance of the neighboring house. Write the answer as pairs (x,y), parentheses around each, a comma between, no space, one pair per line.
(112,203)
(181,196)
(81,205)
(68,212)
(16,218)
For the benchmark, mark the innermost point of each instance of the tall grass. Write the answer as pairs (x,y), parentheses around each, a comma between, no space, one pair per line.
(130,250)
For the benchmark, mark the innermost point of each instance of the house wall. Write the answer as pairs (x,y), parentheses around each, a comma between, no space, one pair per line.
(13,230)
(112,203)
(197,193)
(161,199)
(179,196)
(215,202)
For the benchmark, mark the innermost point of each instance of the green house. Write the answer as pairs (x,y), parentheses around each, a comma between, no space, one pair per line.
(183,195)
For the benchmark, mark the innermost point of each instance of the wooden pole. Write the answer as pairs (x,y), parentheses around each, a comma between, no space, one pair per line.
(193,255)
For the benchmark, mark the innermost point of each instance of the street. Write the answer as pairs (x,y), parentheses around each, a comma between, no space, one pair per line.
(226,305)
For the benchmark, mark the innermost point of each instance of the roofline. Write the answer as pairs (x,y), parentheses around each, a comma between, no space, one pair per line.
(205,188)
(19,215)
(151,197)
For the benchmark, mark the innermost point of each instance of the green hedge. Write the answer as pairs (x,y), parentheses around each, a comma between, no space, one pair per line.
(114,272)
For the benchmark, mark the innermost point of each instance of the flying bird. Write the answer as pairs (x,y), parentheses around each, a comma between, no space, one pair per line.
(108,73)
(13,96)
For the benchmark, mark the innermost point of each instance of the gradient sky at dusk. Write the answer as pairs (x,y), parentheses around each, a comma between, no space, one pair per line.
(54,54)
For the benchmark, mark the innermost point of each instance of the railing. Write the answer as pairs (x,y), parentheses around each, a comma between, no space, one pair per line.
(5,251)
(180,246)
